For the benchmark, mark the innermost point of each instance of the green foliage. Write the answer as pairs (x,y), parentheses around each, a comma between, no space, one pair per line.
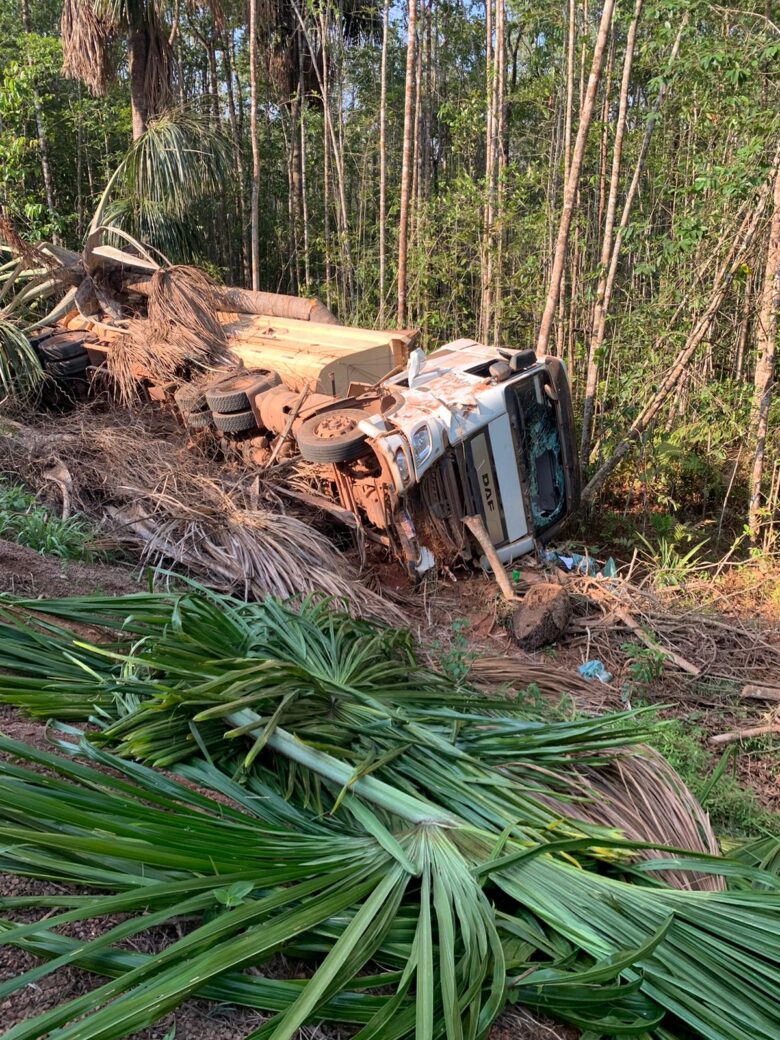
(387,828)
(734,808)
(20,369)
(645,666)
(24,521)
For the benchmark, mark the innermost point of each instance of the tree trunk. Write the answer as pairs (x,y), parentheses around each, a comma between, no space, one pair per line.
(383,165)
(601,309)
(701,327)
(766,340)
(304,196)
(254,214)
(138,56)
(570,190)
(406,161)
(238,159)
(606,244)
(43,144)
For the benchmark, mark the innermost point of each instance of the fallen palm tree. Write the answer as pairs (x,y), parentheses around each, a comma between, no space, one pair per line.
(387,827)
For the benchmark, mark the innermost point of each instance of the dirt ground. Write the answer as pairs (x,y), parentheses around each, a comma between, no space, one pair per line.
(24,572)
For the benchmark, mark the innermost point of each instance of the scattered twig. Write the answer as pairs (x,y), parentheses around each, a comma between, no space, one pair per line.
(744,734)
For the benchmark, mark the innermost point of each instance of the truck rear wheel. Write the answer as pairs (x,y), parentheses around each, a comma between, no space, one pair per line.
(332,436)
(233,393)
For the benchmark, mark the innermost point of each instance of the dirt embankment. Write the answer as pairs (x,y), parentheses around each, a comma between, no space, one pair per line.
(24,572)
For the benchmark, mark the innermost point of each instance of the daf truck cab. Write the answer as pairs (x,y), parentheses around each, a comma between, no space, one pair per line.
(467,431)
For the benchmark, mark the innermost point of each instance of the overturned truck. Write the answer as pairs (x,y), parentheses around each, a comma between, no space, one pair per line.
(466,453)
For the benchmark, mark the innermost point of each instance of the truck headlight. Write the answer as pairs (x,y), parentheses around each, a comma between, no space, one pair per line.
(421,444)
(402,466)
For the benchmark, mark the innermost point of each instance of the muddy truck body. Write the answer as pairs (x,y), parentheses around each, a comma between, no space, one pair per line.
(467,431)
(410,450)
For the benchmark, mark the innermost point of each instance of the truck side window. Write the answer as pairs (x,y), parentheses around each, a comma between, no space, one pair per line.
(541,447)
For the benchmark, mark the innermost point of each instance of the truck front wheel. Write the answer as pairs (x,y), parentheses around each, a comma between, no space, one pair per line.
(333,436)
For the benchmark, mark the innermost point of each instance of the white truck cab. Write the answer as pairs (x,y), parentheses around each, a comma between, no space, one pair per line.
(468,430)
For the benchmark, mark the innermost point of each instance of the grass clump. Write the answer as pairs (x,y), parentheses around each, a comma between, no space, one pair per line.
(25,521)
(734,810)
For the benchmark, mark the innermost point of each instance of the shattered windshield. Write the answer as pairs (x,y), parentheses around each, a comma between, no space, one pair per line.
(541,448)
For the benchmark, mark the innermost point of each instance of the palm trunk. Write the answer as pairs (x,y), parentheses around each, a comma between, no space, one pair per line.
(570,190)
(406,162)
(766,337)
(138,56)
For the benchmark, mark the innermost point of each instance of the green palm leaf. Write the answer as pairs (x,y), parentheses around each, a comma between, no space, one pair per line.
(379,821)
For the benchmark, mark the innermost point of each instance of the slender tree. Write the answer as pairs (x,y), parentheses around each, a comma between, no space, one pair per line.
(607,278)
(254,210)
(608,235)
(766,352)
(570,191)
(383,163)
(406,161)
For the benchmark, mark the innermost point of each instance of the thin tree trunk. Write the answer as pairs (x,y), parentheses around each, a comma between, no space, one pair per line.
(501,159)
(304,197)
(607,241)
(138,56)
(406,162)
(238,158)
(570,191)
(487,210)
(607,280)
(766,340)
(383,165)
(701,327)
(254,212)
(43,144)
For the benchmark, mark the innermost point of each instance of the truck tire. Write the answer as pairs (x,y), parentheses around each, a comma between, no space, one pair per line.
(234,422)
(62,347)
(197,420)
(73,366)
(41,335)
(332,436)
(190,399)
(232,394)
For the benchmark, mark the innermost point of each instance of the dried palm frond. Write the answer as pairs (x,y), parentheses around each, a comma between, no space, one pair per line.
(182,334)
(86,40)
(517,674)
(135,356)
(254,552)
(32,256)
(642,795)
(182,308)
(175,506)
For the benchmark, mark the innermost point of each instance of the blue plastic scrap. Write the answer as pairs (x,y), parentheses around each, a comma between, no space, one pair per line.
(581,564)
(594,670)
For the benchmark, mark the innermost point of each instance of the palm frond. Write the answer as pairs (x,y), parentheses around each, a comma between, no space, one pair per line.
(377,821)
(177,161)
(87,35)
(20,369)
